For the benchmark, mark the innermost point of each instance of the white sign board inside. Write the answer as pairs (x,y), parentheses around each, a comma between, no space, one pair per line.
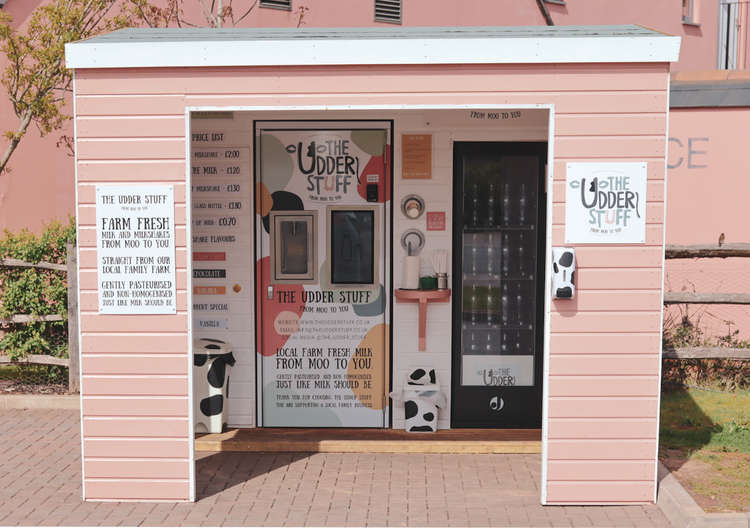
(135,242)
(605,203)
(497,371)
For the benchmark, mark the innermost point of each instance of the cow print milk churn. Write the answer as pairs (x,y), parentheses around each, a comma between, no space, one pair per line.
(422,397)
(212,360)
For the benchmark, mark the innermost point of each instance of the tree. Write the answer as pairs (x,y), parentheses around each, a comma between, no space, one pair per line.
(36,78)
(216,13)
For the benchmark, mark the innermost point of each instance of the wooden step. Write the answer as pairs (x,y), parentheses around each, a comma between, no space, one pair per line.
(341,440)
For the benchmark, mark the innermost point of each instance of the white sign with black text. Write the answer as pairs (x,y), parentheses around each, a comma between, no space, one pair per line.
(605,203)
(135,242)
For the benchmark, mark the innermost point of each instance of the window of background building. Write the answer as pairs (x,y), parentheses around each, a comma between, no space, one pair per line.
(277,4)
(734,16)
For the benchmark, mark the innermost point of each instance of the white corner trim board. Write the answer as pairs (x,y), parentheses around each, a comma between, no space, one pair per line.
(363,51)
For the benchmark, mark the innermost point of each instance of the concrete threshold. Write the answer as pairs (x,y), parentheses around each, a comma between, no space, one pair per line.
(682,510)
(343,440)
(40,401)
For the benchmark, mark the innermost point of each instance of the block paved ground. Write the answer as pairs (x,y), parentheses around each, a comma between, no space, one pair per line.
(40,484)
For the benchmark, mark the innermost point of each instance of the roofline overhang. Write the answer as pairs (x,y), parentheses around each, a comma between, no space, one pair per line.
(394,50)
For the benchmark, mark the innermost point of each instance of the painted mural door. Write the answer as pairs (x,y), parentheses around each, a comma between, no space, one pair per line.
(322,215)
(499,202)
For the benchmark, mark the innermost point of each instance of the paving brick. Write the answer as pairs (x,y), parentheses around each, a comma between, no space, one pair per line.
(40,483)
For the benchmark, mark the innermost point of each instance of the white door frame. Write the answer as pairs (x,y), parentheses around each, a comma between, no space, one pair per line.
(266,110)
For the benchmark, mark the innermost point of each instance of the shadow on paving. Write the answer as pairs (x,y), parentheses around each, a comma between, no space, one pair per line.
(216,472)
(684,427)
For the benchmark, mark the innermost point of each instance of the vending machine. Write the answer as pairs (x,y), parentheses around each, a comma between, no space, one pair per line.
(498,242)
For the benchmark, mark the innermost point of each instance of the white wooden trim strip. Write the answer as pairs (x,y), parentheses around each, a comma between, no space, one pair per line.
(318,52)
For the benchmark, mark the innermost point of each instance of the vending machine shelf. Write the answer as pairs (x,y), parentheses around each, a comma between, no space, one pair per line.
(422,297)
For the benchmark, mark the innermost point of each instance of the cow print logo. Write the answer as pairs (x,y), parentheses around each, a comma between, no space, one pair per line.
(563,276)
(496,403)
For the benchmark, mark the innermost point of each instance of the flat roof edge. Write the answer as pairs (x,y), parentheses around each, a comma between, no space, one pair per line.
(683,94)
(395,51)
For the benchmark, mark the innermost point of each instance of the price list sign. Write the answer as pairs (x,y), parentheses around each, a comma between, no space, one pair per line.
(221,227)
(135,241)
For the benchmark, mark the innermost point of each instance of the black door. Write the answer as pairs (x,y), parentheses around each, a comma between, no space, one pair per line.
(498,276)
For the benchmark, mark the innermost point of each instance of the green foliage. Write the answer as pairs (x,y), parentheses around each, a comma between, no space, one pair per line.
(720,374)
(697,419)
(35,291)
(725,374)
(36,78)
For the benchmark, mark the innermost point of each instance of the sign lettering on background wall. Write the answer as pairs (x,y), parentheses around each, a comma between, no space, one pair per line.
(605,203)
(135,244)
(691,152)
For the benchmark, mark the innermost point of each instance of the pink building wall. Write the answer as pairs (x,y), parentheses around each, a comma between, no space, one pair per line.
(40,188)
(604,346)
(707,196)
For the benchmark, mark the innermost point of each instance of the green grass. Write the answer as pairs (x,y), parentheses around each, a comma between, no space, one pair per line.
(696,419)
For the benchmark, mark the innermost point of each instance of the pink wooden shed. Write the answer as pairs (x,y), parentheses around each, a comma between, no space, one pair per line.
(280,192)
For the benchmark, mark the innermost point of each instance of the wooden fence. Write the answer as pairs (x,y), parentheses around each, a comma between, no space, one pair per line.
(72,362)
(707,251)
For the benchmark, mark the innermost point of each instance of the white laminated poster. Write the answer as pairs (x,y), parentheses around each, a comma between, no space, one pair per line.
(605,203)
(135,243)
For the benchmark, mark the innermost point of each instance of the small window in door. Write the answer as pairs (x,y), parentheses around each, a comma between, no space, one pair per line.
(293,243)
(352,248)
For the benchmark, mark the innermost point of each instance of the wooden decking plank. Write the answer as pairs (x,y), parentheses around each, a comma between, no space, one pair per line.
(335,440)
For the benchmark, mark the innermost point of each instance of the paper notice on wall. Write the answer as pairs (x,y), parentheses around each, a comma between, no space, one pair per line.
(605,203)
(135,241)
(416,156)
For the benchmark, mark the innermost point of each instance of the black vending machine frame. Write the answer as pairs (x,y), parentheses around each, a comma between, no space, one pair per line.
(521,407)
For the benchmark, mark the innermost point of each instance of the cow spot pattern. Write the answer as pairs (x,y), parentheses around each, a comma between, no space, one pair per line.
(212,405)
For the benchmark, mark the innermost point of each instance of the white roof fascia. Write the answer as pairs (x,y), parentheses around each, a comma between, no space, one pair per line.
(318,52)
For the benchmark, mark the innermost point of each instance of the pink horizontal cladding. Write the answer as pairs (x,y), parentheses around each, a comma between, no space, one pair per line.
(152,385)
(137,447)
(603,386)
(138,489)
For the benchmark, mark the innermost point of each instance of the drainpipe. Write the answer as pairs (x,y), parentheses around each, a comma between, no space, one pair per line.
(545,12)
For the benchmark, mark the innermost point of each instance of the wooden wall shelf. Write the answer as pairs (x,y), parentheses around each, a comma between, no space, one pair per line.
(422,297)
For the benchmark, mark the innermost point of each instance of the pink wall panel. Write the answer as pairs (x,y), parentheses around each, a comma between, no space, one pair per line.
(129,343)
(602,354)
(567,125)
(137,489)
(708,158)
(603,300)
(601,470)
(261,80)
(127,126)
(135,406)
(604,407)
(148,469)
(601,449)
(654,234)
(602,428)
(136,427)
(136,447)
(606,364)
(602,492)
(133,364)
(606,343)
(603,386)
(133,171)
(123,385)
